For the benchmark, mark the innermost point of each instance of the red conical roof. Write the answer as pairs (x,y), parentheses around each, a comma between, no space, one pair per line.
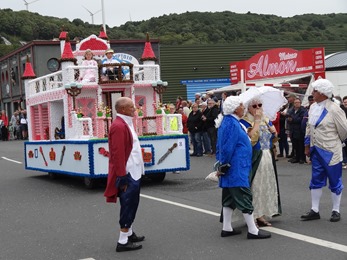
(28,71)
(148,53)
(63,34)
(67,53)
(103,34)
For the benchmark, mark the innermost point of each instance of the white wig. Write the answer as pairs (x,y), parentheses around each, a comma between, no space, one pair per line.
(230,104)
(324,87)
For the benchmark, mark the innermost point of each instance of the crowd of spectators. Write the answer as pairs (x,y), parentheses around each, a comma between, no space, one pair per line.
(290,125)
(15,127)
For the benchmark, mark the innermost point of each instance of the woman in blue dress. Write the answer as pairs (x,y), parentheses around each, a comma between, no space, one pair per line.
(234,150)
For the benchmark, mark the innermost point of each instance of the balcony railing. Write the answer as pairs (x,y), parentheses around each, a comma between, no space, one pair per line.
(127,73)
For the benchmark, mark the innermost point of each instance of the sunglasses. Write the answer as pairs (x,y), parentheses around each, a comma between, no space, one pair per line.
(257,105)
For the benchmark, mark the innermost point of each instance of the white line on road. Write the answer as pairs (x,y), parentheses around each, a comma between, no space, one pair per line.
(312,240)
(181,205)
(5,158)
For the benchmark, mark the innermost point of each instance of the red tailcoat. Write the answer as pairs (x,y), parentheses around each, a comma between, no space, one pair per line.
(120,142)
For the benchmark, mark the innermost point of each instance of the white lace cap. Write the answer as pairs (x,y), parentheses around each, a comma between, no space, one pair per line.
(324,87)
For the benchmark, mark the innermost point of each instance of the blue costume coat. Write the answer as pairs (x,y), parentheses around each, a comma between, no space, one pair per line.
(234,147)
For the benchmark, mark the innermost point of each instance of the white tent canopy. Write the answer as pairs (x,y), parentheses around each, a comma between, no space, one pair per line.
(279,80)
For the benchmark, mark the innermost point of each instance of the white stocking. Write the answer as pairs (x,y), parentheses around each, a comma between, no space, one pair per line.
(252,228)
(227,217)
(316,194)
(336,201)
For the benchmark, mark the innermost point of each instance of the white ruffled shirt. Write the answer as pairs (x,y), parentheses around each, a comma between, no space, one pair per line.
(315,112)
(135,165)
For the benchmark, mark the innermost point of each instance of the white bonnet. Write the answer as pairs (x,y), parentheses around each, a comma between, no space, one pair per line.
(230,104)
(324,87)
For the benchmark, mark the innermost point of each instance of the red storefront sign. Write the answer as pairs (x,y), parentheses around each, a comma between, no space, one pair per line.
(279,62)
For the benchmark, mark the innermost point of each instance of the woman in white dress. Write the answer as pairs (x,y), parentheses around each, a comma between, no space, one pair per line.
(88,75)
(264,183)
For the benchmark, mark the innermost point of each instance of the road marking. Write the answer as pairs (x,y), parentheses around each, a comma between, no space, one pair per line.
(312,240)
(5,158)
(181,205)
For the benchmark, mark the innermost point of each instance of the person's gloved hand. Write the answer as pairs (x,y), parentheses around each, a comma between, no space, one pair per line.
(122,182)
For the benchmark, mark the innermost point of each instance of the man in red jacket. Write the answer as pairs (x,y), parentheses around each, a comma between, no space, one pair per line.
(4,125)
(124,174)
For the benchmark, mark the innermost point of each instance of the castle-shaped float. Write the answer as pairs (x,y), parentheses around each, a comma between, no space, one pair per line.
(69,118)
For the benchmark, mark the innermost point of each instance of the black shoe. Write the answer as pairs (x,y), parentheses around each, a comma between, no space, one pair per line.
(301,162)
(311,215)
(289,156)
(134,238)
(280,155)
(335,216)
(262,234)
(294,161)
(230,233)
(129,246)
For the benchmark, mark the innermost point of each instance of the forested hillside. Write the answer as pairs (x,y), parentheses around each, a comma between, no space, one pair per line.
(181,29)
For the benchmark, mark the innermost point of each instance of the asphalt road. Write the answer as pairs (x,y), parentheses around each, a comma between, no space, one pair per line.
(60,219)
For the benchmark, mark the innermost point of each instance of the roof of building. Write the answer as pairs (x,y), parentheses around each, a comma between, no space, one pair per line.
(337,59)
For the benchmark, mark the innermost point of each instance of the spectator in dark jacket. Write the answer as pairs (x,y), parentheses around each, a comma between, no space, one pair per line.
(206,141)
(210,124)
(195,129)
(295,117)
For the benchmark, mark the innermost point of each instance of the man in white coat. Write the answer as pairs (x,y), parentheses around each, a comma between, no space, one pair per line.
(326,130)
(112,70)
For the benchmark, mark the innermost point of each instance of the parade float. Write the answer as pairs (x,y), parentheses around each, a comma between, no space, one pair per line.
(69,118)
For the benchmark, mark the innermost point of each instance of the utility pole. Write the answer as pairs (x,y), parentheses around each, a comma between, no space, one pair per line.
(103,15)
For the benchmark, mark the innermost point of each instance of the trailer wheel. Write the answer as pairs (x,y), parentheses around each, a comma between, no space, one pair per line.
(52,175)
(89,182)
(157,177)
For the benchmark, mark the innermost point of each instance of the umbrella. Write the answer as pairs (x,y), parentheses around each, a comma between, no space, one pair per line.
(271,98)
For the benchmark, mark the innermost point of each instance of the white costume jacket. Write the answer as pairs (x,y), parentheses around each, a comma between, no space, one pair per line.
(328,133)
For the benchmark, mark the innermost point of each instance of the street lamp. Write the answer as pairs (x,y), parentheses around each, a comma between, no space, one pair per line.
(73,89)
(160,87)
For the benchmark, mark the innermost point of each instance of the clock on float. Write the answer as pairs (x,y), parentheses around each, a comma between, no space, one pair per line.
(53,64)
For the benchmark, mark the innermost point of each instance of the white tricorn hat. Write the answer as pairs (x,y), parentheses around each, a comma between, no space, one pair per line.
(324,87)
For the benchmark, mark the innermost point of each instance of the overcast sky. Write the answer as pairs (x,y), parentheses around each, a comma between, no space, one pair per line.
(119,12)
